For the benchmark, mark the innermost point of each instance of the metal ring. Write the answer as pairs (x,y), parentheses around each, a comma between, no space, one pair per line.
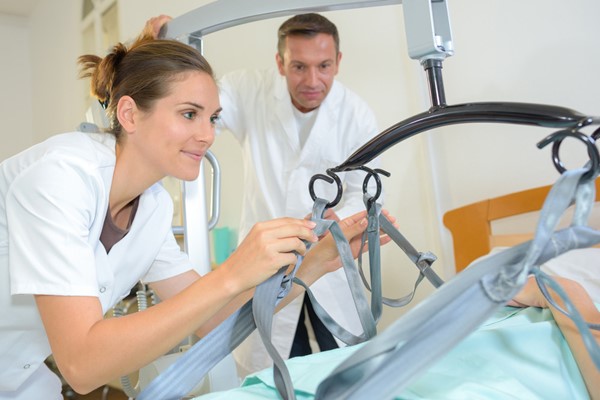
(330,179)
(558,137)
(375,173)
(366,184)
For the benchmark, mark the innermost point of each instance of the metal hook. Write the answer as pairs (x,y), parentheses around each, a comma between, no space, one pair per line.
(558,137)
(326,178)
(373,173)
(596,134)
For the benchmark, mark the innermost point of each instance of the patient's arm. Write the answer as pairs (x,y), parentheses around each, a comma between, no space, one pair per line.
(532,296)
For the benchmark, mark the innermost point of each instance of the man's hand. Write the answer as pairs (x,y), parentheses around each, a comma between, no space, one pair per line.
(353,228)
(153,25)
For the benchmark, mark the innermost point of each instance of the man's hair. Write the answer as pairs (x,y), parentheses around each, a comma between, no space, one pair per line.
(307,25)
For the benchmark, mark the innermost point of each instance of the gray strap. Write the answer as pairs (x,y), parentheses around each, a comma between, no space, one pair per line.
(263,308)
(360,301)
(423,261)
(181,377)
(372,234)
(336,329)
(264,303)
(388,362)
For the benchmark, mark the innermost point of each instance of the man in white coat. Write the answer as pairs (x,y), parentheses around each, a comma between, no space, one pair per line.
(293,123)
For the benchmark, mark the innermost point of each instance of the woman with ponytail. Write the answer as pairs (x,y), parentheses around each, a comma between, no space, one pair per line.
(83,218)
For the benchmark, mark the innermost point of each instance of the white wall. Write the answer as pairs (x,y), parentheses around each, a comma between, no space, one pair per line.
(40,93)
(532,51)
(15,86)
(55,46)
(541,51)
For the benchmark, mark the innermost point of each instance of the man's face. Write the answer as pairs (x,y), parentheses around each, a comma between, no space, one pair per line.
(309,65)
(173,137)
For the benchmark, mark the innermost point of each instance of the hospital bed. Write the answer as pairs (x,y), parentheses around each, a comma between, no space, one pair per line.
(430,42)
(491,225)
(472,225)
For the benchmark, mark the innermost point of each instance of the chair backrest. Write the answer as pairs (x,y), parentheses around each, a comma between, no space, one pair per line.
(471,225)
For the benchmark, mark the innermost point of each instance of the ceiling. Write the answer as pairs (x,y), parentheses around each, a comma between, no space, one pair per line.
(21,8)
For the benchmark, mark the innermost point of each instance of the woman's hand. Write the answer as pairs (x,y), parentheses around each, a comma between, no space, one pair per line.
(267,247)
(326,253)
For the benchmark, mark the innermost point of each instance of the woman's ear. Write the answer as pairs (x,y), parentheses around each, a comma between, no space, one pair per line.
(126,113)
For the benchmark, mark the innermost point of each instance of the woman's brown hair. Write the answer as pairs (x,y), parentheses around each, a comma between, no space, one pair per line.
(144,72)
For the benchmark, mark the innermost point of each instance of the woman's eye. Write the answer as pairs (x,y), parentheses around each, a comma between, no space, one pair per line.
(189,115)
(214,119)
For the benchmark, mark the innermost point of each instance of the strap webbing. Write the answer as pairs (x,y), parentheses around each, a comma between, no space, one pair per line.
(184,374)
(181,377)
(263,308)
(423,260)
(361,303)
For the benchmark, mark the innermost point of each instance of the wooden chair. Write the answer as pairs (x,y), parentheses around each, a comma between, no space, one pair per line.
(471,225)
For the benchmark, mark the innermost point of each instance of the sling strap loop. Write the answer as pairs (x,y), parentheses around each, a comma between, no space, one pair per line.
(264,304)
(422,260)
(361,304)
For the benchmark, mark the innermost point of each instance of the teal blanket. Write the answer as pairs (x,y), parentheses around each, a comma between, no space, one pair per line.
(516,354)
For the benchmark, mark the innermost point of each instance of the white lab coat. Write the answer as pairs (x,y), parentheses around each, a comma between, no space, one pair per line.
(53,201)
(257,109)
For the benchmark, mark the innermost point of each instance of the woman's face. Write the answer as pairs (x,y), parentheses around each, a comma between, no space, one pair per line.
(176,133)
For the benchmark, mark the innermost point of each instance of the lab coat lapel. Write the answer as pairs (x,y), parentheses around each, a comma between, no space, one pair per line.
(283,110)
(324,126)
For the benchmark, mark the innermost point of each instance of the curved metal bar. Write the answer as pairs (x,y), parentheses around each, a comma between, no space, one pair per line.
(215,210)
(223,14)
(559,136)
(374,198)
(495,112)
